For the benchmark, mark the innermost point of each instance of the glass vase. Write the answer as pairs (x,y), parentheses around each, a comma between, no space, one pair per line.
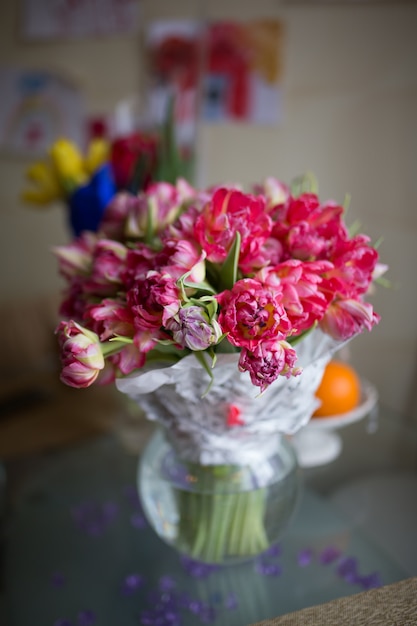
(217,513)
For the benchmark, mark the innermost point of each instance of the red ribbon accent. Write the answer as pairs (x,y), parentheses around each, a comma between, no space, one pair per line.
(233,416)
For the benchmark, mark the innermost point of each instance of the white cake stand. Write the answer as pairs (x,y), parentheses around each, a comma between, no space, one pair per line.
(318,443)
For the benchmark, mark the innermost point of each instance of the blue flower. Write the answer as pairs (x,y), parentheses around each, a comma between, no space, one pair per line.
(88,202)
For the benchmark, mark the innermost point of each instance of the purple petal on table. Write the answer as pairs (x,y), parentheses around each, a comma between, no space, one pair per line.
(166,583)
(305,557)
(231,602)
(197,569)
(273,551)
(268,569)
(329,555)
(371,581)
(131,583)
(58,580)
(204,611)
(93,518)
(86,618)
(164,613)
(195,606)
(138,520)
(171,618)
(348,570)
(148,618)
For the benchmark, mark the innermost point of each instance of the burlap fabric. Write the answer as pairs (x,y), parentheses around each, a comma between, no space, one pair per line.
(392,605)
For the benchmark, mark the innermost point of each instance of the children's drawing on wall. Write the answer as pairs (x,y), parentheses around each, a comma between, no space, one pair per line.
(35,109)
(174,59)
(51,19)
(219,71)
(243,72)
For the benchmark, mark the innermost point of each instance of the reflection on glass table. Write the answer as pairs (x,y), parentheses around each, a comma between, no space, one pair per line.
(79,551)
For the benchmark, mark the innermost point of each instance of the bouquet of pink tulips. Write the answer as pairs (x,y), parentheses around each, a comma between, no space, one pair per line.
(175,271)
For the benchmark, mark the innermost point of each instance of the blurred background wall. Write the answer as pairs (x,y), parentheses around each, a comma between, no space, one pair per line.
(349,115)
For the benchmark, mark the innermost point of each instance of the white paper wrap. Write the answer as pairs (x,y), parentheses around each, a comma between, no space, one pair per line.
(198,426)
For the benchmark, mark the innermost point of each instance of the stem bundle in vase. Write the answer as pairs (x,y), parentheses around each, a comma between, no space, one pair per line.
(219,520)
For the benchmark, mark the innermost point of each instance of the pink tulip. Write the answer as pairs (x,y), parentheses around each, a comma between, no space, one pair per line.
(139,261)
(153,300)
(114,222)
(75,259)
(251,312)
(354,264)
(107,268)
(228,212)
(346,318)
(276,193)
(110,318)
(302,285)
(81,355)
(178,257)
(267,361)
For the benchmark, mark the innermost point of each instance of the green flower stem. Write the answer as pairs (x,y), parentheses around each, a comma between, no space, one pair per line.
(216,523)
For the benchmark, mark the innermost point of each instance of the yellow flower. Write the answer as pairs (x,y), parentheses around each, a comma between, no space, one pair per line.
(97,154)
(47,187)
(68,163)
(65,169)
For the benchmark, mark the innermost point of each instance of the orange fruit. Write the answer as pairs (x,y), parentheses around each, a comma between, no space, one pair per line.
(339,390)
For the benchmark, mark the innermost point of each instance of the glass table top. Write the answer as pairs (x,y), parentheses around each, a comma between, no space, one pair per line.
(78,551)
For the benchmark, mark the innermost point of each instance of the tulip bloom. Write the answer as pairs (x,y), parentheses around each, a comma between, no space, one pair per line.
(267,361)
(251,313)
(153,301)
(228,212)
(302,295)
(81,355)
(191,328)
(346,318)
(126,153)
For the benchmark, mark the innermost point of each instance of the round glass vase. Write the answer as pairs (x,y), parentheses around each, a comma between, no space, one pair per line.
(217,513)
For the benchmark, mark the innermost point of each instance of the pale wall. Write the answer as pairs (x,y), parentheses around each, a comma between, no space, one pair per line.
(350,104)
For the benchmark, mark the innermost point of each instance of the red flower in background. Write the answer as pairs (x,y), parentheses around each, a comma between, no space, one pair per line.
(133,155)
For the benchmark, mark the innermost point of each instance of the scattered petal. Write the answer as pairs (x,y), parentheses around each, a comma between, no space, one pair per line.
(273,551)
(305,557)
(166,583)
(94,518)
(348,570)
(268,569)
(131,584)
(371,581)
(329,555)
(231,602)
(196,569)
(86,618)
